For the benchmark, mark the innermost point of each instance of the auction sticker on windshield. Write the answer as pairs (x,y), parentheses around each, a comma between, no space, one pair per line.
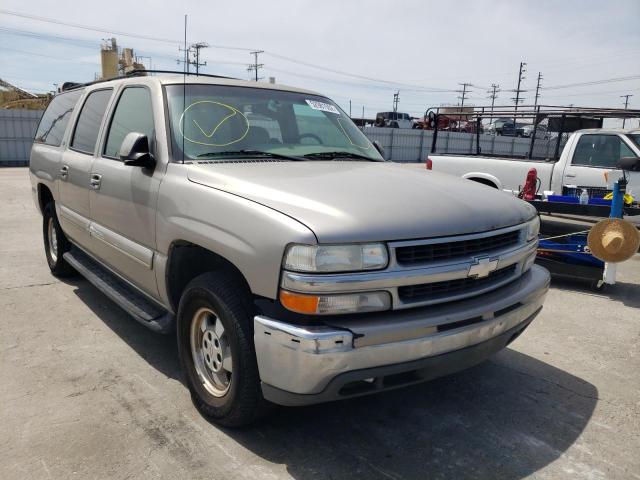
(324,107)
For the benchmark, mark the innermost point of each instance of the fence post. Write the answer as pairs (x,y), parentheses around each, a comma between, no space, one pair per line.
(421,144)
(391,145)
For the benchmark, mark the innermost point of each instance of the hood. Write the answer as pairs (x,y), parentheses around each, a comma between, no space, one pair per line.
(366,201)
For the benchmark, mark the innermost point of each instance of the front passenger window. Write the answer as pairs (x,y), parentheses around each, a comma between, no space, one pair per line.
(133,114)
(600,151)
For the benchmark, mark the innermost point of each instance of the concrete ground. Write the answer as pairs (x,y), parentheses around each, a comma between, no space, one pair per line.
(86,392)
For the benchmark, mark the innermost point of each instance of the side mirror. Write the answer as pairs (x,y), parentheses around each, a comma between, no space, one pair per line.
(631,164)
(376,144)
(135,152)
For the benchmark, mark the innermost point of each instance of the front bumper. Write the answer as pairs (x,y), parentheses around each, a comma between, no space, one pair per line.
(359,355)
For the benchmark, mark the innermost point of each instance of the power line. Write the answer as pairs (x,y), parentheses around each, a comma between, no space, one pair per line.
(104,30)
(594,82)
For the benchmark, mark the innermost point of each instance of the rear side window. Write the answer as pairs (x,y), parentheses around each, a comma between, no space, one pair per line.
(600,151)
(88,124)
(54,122)
(133,114)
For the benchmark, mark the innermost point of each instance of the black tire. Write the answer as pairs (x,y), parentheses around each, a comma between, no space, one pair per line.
(225,295)
(57,264)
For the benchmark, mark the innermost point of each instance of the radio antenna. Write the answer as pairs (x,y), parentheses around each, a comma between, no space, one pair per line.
(184,86)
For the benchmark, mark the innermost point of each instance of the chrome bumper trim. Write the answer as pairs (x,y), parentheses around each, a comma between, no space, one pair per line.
(304,359)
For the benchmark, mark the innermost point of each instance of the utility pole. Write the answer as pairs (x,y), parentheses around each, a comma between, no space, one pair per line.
(538,86)
(186,60)
(519,90)
(256,66)
(196,47)
(493,94)
(464,92)
(396,100)
(626,104)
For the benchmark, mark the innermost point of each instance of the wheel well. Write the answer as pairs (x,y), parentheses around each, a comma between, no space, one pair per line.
(187,261)
(483,181)
(44,196)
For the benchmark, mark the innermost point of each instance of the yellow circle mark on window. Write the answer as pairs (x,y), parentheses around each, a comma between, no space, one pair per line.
(209,134)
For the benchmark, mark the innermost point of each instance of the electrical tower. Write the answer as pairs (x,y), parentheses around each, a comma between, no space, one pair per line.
(538,86)
(518,99)
(463,93)
(626,104)
(493,94)
(396,100)
(256,66)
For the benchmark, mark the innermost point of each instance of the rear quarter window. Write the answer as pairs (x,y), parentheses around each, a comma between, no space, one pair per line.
(56,117)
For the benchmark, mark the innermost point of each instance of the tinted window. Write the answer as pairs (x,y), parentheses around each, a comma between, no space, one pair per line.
(133,114)
(88,124)
(56,118)
(600,151)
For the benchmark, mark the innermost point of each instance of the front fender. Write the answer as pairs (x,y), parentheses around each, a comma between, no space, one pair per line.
(249,235)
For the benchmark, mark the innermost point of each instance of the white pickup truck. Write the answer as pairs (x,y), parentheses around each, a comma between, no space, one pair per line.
(587,156)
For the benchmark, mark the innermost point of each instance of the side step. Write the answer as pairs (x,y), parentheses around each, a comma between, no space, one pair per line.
(135,304)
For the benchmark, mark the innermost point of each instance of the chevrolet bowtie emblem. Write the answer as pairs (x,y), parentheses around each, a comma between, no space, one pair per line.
(482,267)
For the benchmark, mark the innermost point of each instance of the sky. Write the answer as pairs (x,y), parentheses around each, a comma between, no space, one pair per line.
(350,50)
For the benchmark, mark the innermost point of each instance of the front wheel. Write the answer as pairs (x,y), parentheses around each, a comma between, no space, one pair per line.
(56,243)
(215,343)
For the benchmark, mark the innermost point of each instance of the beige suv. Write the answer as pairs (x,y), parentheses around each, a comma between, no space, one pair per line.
(260,225)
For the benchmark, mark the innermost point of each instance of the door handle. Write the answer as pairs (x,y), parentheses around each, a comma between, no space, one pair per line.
(64,172)
(570,175)
(95,181)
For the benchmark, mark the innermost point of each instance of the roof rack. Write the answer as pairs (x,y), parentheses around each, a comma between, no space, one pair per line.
(134,73)
(66,86)
(533,111)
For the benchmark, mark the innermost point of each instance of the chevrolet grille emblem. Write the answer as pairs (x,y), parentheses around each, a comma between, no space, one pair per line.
(482,267)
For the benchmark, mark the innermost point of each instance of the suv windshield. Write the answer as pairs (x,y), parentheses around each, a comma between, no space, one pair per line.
(219,122)
(635,138)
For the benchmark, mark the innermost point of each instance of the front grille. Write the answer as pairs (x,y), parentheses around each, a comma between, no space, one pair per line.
(451,288)
(449,250)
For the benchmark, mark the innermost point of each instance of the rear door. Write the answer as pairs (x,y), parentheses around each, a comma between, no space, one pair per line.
(123,200)
(594,155)
(75,169)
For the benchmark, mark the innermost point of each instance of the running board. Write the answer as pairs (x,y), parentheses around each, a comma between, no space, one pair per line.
(135,304)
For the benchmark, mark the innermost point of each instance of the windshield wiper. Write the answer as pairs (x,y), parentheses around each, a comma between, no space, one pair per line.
(249,153)
(339,154)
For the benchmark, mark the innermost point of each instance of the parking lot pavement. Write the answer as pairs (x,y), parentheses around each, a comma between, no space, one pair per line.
(86,392)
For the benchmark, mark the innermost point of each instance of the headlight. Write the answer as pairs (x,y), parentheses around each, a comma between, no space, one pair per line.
(335,258)
(532,229)
(335,304)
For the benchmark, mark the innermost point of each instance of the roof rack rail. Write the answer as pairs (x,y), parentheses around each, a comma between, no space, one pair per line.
(134,73)
(66,86)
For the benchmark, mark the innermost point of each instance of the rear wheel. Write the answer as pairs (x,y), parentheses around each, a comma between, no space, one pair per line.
(56,243)
(215,343)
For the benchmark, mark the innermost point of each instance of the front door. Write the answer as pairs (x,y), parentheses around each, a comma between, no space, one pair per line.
(595,154)
(75,169)
(123,203)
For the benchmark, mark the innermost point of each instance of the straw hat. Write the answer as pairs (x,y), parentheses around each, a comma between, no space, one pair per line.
(613,240)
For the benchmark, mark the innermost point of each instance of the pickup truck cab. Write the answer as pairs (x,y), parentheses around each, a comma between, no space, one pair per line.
(585,158)
(263,229)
